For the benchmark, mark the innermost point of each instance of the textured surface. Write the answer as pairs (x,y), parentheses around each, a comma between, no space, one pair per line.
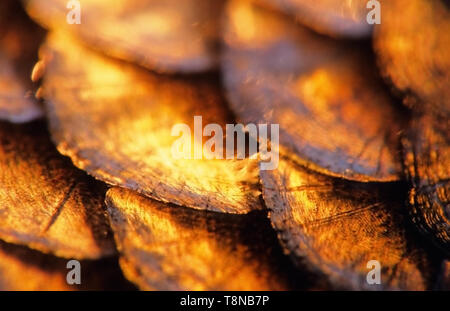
(413,50)
(426,146)
(331,108)
(183,34)
(114,120)
(174,248)
(24,269)
(19,40)
(338,226)
(114,86)
(16,262)
(336,18)
(45,202)
(418,65)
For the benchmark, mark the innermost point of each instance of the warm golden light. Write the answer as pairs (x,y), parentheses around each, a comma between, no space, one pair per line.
(332,109)
(126,115)
(200,145)
(182,33)
(337,18)
(46,203)
(170,248)
(340,226)
(413,48)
